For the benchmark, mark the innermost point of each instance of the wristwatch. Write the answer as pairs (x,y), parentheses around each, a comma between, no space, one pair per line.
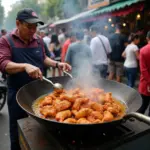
(57,63)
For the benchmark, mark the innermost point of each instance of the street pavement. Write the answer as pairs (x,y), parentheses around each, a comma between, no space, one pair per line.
(4,132)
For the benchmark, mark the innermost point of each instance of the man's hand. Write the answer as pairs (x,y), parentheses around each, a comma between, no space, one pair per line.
(33,72)
(64,66)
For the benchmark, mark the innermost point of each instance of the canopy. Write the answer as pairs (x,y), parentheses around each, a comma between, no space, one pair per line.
(114,7)
(78,16)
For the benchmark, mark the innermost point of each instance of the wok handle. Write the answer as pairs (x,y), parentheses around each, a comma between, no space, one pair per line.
(139,116)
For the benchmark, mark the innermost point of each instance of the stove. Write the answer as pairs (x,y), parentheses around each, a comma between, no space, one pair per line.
(130,135)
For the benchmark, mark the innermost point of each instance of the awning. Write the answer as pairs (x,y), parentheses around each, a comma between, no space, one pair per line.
(78,16)
(114,7)
(134,7)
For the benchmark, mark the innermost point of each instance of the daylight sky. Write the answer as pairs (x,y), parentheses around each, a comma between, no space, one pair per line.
(7,5)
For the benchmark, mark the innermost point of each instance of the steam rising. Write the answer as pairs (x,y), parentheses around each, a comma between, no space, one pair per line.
(83,76)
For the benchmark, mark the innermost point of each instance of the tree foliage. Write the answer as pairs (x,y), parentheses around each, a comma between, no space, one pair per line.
(47,10)
(54,8)
(1,14)
(71,8)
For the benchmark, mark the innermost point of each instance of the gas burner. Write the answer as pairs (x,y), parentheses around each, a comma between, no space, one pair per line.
(100,138)
(122,136)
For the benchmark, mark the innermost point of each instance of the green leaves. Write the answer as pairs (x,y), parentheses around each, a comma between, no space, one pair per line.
(1,15)
(48,10)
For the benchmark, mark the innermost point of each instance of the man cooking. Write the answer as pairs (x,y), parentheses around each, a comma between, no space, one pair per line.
(22,57)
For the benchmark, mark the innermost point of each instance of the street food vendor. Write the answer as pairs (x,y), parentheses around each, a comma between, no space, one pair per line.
(22,57)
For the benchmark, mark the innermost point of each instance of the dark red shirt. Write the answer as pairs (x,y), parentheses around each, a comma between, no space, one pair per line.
(5,48)
(144,86)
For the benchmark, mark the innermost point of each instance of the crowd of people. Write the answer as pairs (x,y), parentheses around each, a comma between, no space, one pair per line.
(110,57)
(26,54)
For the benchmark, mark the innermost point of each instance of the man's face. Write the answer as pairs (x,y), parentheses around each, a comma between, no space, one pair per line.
(26,30)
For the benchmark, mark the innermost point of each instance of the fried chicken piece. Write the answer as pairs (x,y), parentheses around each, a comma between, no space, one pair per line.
(76,91)
(97,115)
(84,112)
(83,121)
(70,120)
(113,110)
(53,97)
(108,116)
(97,121)
(62,105)
(91,118)
(101,98)
(56,101)
(61,116)
(108,98)
(106,105)
(48,111)
(57,92)
(76,105)
(67,97)
(96,106)
(78,102)
(85,105)
(47,101)
(117,106)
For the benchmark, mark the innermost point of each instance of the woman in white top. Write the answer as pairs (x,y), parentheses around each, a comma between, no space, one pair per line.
(131,54)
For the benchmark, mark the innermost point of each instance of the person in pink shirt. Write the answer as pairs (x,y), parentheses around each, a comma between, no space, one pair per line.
(144,86)
(71,38)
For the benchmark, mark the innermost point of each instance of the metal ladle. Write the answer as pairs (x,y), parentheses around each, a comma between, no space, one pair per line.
(68,74)
(55,85)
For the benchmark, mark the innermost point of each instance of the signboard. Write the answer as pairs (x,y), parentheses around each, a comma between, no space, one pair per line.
(92,4)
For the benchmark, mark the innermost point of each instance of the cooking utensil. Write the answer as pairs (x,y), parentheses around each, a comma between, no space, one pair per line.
(68,74)
(55,85)
(30,92)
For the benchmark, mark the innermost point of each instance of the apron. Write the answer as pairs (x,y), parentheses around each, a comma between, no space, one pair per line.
(32,56)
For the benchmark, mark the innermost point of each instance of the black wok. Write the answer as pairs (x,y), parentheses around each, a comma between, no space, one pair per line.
(30,92)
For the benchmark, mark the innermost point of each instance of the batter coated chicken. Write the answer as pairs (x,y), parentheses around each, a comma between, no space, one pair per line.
(61,116)
(48,111)
(70,120)
(78,107)
(62,105)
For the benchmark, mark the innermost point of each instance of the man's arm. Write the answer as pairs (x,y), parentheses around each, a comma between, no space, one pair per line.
(32,71)
(49,62)
(12,68)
